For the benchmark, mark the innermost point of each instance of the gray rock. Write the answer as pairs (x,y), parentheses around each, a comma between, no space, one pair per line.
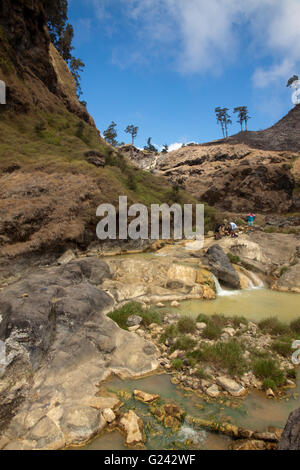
(63,346)
(290,439)
(134,320)
(232,387)
(47,435)
(221,266)
(213,391)
(79,424)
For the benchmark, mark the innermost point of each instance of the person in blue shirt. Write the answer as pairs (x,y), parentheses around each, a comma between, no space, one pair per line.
(251,218)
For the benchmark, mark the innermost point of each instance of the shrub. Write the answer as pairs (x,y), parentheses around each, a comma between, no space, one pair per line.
(171,332)
(233,258)
(79,129)
(219,320)
(40,126)
(177,364)
(273,326)
(186,325)
(291,373)
(131,182)
(201,374)
(228,355)
(283,346)
(237,320)
(269,369)
(151,316)
(295,326)
(121,314)
(269,383)
(184,343)
(212,331)
(283,270)
(202,318)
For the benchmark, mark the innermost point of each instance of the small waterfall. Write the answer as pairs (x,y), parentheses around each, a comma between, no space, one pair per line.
(223,292)
(256,281)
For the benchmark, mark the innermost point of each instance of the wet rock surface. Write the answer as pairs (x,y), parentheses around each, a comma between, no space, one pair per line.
(59,346)
(220,265)
(290,439)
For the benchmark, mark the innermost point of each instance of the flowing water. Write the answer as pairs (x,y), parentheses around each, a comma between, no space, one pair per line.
(254,304)
(255,412)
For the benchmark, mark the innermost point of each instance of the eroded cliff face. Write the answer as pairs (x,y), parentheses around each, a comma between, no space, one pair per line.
(236,177)
(36,76)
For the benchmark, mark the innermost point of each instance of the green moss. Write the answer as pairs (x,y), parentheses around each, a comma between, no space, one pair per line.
(283,270)
(233,258)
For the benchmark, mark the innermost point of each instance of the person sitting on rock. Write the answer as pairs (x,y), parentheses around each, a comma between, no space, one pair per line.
(218,231)
(233,229)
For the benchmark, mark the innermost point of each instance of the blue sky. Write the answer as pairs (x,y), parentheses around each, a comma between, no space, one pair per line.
(164,65)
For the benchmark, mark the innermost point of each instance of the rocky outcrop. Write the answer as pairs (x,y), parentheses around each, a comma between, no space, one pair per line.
(220,265)
(290,439)
(141,158)
(36,76)
(59,345)
(235,177)
(157,280)
(133,427)
(289,281)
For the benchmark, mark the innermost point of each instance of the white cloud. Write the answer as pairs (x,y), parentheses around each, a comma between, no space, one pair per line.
(275,74)
(201,36)
(175,146)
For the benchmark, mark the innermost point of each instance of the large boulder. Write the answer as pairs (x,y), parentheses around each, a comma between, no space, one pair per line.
(290,439)
(57,345)
(221,267)
(289,281)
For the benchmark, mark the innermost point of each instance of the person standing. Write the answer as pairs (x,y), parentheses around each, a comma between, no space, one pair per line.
(251,218)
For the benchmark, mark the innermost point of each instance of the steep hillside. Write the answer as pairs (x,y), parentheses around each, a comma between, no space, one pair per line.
(249,171)
(50,185)
(283,136)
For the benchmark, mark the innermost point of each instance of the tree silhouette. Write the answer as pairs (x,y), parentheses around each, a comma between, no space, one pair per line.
(223,118)
(133,131)
(150,147)
(243,116)
(110,134)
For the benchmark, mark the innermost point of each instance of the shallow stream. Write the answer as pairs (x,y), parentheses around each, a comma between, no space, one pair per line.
(255,412)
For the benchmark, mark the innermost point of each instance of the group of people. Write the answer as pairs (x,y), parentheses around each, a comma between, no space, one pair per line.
(229,229)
